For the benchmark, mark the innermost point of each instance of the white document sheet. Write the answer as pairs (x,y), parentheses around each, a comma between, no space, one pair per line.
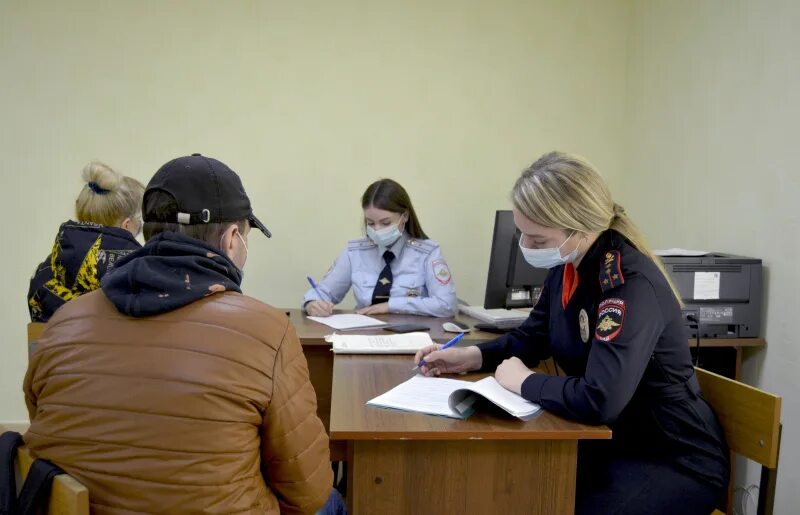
(348,321)
(406,343)
(706,285)
(452,397)
(421,394)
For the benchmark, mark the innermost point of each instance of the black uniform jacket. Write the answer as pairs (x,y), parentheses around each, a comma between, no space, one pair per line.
(616,332)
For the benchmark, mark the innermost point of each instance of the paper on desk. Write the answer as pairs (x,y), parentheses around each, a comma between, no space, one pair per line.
(348,321)
(406,343)
(511,402)
(452,397)
(681,252)
(421,394)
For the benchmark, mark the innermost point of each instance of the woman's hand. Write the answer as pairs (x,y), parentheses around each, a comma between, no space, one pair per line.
(511,373)
(319,308)
(377,309)
(449,361)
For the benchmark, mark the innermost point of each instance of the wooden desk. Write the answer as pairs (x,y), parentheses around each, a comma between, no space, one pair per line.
(312,333)
(737,344)
(320,358)
(412,463)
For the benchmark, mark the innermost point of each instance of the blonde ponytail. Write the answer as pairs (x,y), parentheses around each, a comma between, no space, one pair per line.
(566,192)
(108,197)
(621,223)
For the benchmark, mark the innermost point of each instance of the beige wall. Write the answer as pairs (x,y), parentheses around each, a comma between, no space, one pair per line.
(310,102)
(688,107)
(713,162)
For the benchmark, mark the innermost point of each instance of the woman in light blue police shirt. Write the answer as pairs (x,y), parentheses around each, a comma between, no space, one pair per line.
(396,270)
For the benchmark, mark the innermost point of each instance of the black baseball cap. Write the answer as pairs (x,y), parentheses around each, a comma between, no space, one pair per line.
(205,190)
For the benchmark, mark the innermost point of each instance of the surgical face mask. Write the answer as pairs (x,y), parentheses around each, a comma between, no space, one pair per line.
(384,237)
(548,258)
(246,251)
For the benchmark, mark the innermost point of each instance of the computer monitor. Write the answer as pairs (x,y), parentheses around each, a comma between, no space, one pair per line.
(512,282)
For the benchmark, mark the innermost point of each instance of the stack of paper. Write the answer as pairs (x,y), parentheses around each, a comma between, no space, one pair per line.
(407,343)
(452,397)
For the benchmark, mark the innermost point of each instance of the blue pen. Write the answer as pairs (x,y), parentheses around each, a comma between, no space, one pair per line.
(314,285)
(443,347)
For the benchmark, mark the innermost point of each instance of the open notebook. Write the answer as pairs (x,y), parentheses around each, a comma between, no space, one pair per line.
(452,397)
(406,343)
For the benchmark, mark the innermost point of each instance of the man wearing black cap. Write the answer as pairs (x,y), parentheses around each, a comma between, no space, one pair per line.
(170,391)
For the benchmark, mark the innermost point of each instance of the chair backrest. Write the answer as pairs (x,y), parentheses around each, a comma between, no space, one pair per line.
(67,496)
(35,330)
(751,420)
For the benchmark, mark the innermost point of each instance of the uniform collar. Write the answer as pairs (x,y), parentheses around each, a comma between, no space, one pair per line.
(396,247)
(590,264)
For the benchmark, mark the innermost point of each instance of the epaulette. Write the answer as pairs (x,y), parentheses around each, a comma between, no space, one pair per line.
(611,270)
(426,246)
(362,244)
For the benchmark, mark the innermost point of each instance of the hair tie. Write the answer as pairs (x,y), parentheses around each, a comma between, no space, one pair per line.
(618,210)
(97,189)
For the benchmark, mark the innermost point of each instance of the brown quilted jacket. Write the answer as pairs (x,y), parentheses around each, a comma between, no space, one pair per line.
(204,409)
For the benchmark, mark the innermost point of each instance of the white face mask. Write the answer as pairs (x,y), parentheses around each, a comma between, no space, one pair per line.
(246,250)
(384,237)
(548,258)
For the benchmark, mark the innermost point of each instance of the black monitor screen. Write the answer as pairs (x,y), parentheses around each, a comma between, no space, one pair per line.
(512,282)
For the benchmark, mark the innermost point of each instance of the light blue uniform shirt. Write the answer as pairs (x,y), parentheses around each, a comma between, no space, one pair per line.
(421,280)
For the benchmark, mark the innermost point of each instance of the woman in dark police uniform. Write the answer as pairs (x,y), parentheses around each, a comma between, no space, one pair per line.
(610,318)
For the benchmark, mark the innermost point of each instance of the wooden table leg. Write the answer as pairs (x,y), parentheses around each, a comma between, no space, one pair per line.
(462,477)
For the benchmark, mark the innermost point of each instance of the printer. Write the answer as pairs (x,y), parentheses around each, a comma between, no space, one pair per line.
(722,291)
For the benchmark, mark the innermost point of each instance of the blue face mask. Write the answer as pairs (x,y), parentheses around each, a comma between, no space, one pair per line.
(384,237)
(548,258)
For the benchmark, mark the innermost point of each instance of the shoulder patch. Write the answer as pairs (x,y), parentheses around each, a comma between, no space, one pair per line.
(610,317)
(426,246)
(611,270)
(441,271)
(362,244)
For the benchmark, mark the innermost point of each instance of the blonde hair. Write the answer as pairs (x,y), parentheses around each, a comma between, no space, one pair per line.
(108,197)
(562,191)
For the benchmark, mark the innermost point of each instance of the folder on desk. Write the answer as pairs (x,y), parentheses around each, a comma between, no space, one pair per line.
(405,343)
(452,397)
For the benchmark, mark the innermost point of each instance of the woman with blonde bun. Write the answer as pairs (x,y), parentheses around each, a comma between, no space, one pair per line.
(109,217)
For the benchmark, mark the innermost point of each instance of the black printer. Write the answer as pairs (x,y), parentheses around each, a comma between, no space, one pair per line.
(722,291)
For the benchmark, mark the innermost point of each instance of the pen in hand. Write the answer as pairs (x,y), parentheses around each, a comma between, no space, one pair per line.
(449,344)
(322,307)
(314,285)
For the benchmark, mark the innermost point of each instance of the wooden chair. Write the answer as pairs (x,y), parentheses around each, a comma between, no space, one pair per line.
(35,330)
(67,496)
(751,420)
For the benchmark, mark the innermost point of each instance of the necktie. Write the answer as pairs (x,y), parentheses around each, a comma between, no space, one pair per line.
(384,285)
